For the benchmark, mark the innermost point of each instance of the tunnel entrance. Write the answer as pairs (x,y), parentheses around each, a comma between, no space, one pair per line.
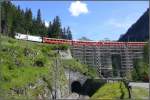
(116,65)
(76,87)
(88,88)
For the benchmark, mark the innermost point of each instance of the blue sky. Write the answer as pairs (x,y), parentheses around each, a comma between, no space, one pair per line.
(96,20)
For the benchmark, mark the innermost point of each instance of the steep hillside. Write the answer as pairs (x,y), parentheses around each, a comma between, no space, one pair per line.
(27,70)
(139,31)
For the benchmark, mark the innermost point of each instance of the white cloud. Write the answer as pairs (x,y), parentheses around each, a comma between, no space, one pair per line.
(46,23)
(76,8)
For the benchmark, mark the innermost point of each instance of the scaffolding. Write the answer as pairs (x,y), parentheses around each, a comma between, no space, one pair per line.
(100,56)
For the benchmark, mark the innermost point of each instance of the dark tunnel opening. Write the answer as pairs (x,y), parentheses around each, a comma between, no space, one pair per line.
(76,87)
(88,88)
(91,86)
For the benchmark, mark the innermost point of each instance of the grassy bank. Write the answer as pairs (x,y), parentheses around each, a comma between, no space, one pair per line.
(113,91)
(139,93)
(77,66)
(24,63)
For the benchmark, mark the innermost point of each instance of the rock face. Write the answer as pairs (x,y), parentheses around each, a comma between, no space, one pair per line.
(139,31)
(65,54)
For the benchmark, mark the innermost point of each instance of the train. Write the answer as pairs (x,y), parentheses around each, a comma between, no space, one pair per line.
(75,42)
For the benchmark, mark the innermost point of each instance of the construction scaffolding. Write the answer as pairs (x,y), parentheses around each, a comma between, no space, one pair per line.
(100,56)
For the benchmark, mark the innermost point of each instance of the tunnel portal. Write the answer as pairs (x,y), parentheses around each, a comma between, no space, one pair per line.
(76,87)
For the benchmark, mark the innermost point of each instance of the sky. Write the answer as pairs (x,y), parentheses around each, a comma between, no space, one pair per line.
(96,20)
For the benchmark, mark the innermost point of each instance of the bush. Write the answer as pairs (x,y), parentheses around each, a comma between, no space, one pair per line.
(39,63)
(140,70)
(59,47)
(77,66)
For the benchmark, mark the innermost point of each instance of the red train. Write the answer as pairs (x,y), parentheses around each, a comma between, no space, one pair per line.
(90,43)
(75,42)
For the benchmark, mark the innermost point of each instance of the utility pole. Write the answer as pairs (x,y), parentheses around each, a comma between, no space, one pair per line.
(0,17)
(69,82)
(55,75)
(56,69)
(149,60)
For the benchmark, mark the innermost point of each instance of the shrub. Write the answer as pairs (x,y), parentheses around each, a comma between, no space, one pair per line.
(39,63)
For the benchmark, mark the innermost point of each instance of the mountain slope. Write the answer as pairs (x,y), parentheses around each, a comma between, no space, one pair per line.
(139,31)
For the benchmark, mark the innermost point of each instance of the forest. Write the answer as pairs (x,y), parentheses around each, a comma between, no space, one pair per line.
(14,19)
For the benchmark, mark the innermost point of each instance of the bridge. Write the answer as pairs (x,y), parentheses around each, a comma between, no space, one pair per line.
(102,56)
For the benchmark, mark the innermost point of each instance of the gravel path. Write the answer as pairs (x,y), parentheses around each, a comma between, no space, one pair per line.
(76,96)
(143,85)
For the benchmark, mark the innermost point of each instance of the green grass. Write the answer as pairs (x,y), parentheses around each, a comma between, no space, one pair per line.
(20,66)
(139,93)
(23,63)
(113,91)
(77,66)
(18,62)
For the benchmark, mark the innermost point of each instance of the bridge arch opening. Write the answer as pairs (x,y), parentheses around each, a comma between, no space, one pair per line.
(76,87)
(116,64)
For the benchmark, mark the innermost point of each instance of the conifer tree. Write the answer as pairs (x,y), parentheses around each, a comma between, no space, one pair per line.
(14,19)
(39,20)
(69,35)
(50,30)
(28,20)
(56,29)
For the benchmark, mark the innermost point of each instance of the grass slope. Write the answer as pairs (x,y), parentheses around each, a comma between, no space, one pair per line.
(23,63)
(139,93)
(77,66)
(111,91)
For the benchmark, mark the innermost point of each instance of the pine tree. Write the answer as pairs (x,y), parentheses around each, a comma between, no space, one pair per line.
(4,17)
(39,20)
(43,30)
(14,19)
(69,35)
(34,30)
(19,18)
(40,25)
(28,20)
(11,19)
(64,33)
(13,28)
(56,29)
(50,30)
